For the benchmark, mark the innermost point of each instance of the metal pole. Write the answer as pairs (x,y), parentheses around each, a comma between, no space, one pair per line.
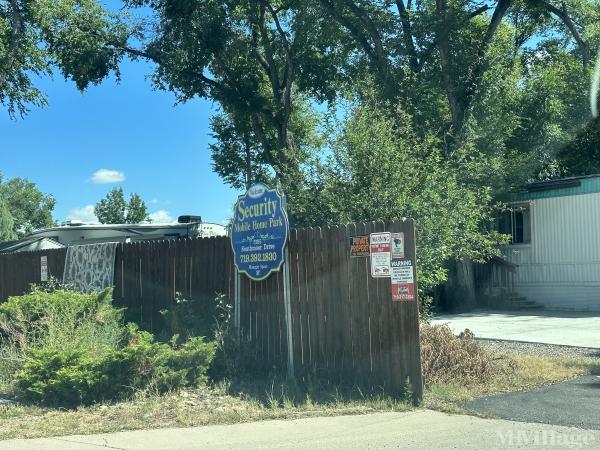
(288,312)
(236,312)
(286,298)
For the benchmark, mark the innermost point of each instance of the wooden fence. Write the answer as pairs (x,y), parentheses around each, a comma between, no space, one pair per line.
(149,276)
(345,326)
(19,270)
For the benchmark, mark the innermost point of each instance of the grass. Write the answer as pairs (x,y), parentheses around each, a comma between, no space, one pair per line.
(247,401)
(528,372)
(204,406)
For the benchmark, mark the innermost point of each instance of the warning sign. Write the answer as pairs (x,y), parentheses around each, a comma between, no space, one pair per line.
(403,280)
(359,246)
(397,245)
(381,255)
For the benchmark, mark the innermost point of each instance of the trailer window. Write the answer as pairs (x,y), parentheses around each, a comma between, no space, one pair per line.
(516,222)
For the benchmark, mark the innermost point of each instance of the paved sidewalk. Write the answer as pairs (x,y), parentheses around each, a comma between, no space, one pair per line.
(549,327)
(419,429)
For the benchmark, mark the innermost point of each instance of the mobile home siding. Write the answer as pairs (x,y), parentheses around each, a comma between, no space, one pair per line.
(560,267)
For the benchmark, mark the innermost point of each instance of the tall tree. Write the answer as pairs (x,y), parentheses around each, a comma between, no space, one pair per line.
(440,53)
(136,210)
(7,232)
(30,208)
(37,36)
(236,152)
(114,209)
(252,57)
(381,170)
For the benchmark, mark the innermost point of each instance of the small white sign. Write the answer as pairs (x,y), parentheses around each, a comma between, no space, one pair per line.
(398,245)
(381,255)
(44,268)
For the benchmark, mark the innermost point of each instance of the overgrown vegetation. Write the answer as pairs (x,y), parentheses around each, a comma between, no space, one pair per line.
(73,350)
(458,368)
(447,358)
(68,348)
(269,398)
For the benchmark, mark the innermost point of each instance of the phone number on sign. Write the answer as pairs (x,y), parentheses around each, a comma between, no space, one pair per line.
(258,257)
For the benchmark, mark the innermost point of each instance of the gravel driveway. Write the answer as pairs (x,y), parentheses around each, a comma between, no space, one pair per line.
(534,348)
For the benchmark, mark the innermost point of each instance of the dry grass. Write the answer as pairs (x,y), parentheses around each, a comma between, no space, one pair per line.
(520,372)
(458,368)
(448,358)
(204,406)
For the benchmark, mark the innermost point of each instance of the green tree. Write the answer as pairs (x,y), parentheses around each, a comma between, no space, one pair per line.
(252,57)
(136,210)
(236,152)
(114,209)
(30,208)
(581,155)
(7,232)
(435,57)
(381,171)
(77,37)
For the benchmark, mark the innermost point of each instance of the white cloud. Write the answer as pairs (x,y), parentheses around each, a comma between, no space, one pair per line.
(154,201)
(107,176)
(161,216)
(85,214)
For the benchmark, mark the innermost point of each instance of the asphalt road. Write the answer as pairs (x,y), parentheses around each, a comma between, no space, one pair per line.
(573,403)
(419,429)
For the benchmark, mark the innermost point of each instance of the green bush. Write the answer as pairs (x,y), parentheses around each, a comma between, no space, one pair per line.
(59,377)
(73,377)
(69,348)
(61,319)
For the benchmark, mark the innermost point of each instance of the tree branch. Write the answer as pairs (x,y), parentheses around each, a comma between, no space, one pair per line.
(354,31)
(443,44)
(407,35)
(272,67)
(476,73)
(16,26)
(478,11)
(371,28)
(288,76)
(155,58)
(563,15)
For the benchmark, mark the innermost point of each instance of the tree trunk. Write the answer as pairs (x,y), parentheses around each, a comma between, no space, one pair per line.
(459,290)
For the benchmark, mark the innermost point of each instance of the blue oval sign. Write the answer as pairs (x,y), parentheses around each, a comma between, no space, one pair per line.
(259,232)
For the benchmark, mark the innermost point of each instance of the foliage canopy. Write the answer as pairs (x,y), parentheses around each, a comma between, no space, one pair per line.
(114,209)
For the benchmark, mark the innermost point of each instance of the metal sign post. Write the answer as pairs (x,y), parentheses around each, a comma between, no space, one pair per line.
(288,306)
(237,302)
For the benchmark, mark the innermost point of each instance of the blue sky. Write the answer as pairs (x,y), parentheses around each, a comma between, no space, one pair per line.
(160,149)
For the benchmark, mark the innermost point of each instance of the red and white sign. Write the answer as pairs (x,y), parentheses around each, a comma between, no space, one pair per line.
(381,254)
(403,280)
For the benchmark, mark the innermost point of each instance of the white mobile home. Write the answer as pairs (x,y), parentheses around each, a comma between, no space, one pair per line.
(77,233)
(555,229)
